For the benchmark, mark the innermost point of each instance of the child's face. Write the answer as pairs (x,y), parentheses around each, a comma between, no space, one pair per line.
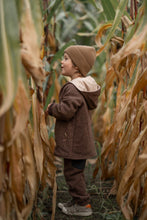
(68,69)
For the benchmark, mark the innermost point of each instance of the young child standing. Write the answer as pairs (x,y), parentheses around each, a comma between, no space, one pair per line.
(73,133)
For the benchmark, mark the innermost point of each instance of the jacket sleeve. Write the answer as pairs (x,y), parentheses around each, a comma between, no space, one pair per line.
(70,102)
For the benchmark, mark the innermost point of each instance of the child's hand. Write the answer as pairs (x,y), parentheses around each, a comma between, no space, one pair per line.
(48,107)
(47,110)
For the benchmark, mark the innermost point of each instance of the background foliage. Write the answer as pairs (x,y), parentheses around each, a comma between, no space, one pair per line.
(33,37)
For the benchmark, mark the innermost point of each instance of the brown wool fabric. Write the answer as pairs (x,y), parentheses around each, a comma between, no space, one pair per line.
(82,56)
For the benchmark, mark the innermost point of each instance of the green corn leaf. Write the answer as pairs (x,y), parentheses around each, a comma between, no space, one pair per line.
(19,7)
(139,22)
(114,4)
(92,2)
(10,57)
(108,9)
(36,15)
(144,20)
(131,30)
(119,12)
(53,9)
(50,93)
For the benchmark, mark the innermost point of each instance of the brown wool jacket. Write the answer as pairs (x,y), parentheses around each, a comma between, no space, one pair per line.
(73,132)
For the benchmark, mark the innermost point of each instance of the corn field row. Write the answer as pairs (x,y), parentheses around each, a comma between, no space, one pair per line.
(29,79)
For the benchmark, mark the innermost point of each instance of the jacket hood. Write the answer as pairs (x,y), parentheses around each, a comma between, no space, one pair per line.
(89,89)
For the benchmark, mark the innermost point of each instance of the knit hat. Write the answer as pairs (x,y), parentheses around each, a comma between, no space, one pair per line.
(82,56)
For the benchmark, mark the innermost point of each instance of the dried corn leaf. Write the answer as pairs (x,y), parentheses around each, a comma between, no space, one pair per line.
(125,182)
(38,147)
(17,172)
(110,76)
(31,181)
(134,46)
(116,21)
(120,164)
(2,207)
(140,84)
(124,132)
(21,111)
(143,215)
(48,150)
(126,21)
(30,52)
(100,33)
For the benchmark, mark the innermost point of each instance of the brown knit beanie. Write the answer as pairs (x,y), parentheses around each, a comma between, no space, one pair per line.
(82,56)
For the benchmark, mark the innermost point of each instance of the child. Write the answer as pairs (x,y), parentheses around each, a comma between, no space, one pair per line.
(73,134)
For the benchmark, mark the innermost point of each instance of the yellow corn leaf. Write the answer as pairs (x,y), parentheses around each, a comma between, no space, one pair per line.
(120,164)
(107,119)
(127,139)
(145,106)
(21,108)
(38,147)
(7,204)
(116,44)
(143,215)
(119,98)
(140,84)
(31,181)
(100,33)
(2,207)
(17,172)
(110,76)
(30,52)
(48,149)
(134,46)
(124,107)
(132,64)
(139,171)
(99,36)
(49,171)
(108,153)
(125,183)
(135,189)
(126,21)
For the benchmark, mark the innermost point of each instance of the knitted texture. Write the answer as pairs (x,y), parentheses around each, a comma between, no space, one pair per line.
(82,56)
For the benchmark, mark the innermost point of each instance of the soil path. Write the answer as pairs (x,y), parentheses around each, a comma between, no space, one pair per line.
(104,206)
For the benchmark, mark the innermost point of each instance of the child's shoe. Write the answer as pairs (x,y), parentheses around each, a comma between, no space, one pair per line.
(66,204)
(78,210)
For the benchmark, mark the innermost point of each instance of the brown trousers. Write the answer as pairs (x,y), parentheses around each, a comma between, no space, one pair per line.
(74,176)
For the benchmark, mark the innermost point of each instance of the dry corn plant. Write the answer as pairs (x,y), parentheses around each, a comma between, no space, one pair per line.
(26,152)
(123,116)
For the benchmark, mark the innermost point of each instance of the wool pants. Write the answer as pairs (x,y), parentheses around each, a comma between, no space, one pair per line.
(74,176)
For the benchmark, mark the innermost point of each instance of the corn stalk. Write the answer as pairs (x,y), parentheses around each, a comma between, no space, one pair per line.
(123,111)
(26,152)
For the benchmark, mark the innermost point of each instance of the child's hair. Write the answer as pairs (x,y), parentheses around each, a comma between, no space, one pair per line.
(78,71)
(82,57)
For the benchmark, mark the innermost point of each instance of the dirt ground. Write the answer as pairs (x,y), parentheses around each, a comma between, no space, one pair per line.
(104,206)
